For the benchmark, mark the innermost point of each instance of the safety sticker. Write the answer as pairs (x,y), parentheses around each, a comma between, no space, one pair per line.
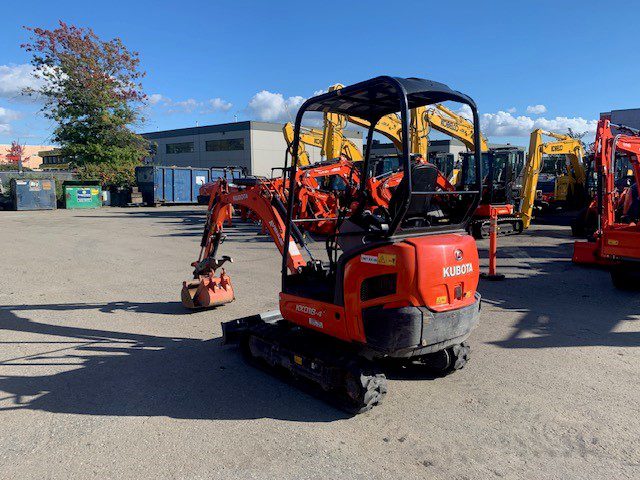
(369,259)
(441,300)
(315,323)
(387,259)
(293,248)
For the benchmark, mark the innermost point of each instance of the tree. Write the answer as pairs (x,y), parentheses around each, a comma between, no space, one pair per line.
(15,155)
(92,89)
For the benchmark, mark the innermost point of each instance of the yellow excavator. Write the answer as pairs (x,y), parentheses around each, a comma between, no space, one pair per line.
(315,137)
(439,118)
(555,183)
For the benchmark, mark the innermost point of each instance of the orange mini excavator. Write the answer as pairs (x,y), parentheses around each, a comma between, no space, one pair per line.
(398,284)
(615,243)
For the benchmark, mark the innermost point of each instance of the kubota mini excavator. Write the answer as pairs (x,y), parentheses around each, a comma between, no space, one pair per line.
(616,243)
(399,283)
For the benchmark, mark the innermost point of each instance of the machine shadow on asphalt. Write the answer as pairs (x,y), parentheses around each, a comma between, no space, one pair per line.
(125,374)
(597,310)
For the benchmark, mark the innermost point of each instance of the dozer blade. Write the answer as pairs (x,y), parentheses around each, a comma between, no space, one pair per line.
(207,292)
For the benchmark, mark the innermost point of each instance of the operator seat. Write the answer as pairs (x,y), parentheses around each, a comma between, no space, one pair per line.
(424,178)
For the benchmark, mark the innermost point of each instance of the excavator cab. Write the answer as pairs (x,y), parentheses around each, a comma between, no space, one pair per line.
(502,168)
(501,185)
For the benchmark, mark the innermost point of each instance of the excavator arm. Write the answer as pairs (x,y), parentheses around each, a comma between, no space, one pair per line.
(389,126)
(207,289)
(314,137)
(446,121)
(562,145)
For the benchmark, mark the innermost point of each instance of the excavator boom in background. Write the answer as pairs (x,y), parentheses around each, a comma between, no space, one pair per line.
(569,188)
(315,138)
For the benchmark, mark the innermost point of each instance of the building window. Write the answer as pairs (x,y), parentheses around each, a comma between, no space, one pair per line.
(184,147)
(225,145)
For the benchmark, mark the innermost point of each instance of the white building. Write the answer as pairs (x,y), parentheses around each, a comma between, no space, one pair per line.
(257,146)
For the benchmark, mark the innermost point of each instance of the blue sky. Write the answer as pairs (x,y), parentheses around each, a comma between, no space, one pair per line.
(527,64)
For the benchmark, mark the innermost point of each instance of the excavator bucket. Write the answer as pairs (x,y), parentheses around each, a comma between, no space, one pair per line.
(207,292)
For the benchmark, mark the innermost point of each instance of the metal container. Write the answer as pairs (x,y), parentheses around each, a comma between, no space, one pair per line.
(33,194)
(82,194)
(170,185)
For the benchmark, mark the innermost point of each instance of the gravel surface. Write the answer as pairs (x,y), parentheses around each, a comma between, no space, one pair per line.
(103,374)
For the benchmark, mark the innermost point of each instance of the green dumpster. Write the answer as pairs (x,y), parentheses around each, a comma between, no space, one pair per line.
(82,194)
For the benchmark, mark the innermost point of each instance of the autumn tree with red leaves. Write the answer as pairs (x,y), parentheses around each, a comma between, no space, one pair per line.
(15,154)
(92,89)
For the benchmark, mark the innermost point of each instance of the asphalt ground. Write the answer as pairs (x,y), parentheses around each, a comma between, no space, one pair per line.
(103,374)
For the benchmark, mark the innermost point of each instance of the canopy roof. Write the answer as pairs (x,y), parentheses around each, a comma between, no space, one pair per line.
(372,99)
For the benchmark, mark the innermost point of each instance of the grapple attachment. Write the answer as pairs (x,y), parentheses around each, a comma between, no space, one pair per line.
(208,291)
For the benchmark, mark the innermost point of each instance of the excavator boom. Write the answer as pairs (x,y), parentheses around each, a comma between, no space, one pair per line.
(562,145)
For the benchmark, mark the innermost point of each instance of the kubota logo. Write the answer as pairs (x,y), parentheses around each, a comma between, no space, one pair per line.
(457,270)
(309,310)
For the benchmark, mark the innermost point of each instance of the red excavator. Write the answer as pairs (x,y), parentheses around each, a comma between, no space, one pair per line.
(398,284)
(616,243)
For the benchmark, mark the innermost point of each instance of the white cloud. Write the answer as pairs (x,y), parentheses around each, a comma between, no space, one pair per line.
(6,117)
(15,78)
(190,104)
(185,106)
(156,98)
(273,107)
(512,110)
(319,92)
(536,109)
(218,105)
(504,124)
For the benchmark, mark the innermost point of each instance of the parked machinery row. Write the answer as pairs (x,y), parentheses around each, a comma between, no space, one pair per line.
(397,284)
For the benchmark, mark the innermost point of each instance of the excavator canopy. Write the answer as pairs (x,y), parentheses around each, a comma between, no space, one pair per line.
(375,98)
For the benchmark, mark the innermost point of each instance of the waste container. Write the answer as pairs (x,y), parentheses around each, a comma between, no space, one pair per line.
(82,194)
(160,185)
(33,194)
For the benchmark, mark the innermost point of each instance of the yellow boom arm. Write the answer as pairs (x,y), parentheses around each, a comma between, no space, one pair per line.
(314,137)
(562,145)
(334,143)
(450,123)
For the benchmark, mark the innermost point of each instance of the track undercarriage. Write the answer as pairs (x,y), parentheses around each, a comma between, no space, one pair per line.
(337,372)
(507,225)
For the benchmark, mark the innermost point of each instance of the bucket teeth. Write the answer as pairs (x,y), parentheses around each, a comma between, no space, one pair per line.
(207,292)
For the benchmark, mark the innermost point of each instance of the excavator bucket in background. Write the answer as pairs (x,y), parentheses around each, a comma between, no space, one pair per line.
(208,291)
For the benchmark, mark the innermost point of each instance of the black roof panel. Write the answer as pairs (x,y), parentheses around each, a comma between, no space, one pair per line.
(380,96)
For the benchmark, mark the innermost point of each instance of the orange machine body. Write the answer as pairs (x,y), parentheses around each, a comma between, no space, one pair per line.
(435,272)
(614,242)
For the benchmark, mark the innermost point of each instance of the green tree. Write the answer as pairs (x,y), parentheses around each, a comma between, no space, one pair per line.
(92,90)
